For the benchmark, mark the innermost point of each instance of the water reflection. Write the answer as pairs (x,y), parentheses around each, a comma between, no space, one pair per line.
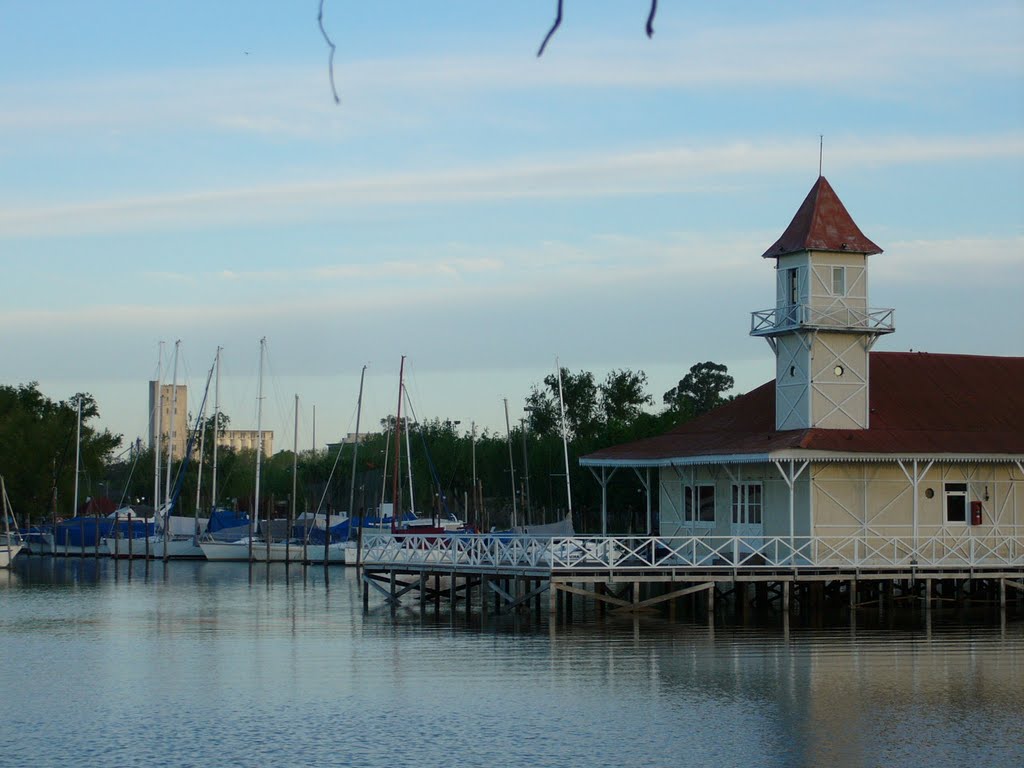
(215,663)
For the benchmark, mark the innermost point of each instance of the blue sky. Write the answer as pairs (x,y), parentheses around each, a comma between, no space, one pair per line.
(181,171)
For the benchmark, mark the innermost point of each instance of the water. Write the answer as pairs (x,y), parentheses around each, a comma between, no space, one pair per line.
(196,665)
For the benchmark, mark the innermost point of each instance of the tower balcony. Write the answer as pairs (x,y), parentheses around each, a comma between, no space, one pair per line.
(795,317)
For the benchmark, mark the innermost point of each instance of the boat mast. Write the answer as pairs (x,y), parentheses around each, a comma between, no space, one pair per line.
(352,486)
(259,452)
(511,464)
(170,448)
(565,443)
(408,462)
(158,403)
(295,485)
(78,453)
(199,478)
(7,522)
(216,434)
(396,490)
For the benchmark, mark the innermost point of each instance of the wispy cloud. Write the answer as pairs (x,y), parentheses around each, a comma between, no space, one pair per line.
(615,174)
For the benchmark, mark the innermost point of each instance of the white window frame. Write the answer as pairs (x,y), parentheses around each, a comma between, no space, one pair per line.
(693,495)
(743,508)
(955,490)
(838,270)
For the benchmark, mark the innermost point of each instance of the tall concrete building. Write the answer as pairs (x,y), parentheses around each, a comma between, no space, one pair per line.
(168,417)
(172,409)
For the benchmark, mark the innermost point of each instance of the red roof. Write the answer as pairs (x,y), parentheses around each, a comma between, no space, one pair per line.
(920,403)
(822,224)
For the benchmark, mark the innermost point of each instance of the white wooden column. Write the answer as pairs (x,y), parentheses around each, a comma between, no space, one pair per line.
(914,477)
(646,483)
(790,477)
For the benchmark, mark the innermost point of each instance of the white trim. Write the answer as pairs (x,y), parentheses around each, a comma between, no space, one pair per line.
(803,455)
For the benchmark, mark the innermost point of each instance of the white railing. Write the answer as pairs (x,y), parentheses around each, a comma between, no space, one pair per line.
(768,321)
(599,553)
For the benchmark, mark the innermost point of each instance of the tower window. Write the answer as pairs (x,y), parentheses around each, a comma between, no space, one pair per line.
(793,282)
(838,281)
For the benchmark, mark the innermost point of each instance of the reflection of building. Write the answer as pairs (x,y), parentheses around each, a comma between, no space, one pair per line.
(246,440)
(173,404)
(234,439)
(853,447)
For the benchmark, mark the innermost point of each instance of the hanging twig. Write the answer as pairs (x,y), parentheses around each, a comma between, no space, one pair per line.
(650,18)
(330,59)
(556,25)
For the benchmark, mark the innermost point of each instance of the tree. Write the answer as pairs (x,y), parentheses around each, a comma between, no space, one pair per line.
(580,397)
(700,390)
(37,450)
(623,397)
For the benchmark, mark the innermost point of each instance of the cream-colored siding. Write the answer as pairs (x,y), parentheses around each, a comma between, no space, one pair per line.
(839,380)
(873,498)
(872,501)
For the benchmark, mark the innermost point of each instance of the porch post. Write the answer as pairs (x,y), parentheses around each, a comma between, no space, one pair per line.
(792,512)
(604,503)
(650,529)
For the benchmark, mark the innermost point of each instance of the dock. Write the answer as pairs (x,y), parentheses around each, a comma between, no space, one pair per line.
(643,573)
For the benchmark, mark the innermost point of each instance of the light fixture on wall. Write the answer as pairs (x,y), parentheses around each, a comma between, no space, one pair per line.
(929,493)
(986,493)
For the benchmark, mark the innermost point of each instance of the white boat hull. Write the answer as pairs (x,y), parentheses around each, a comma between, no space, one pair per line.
(226,551)
(7,553)
(280,553)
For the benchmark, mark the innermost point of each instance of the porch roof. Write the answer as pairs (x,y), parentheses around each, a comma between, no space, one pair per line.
(952,407)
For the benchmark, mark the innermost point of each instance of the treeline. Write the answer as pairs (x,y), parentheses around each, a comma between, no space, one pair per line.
(443,454)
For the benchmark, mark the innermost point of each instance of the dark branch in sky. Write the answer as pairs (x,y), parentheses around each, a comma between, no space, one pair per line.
(330,59)
(556,25)
(558,22)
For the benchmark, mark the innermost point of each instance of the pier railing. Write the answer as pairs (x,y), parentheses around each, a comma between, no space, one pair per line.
(502,553)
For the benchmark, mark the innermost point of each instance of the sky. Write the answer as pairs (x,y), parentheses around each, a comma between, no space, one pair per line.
(181,171)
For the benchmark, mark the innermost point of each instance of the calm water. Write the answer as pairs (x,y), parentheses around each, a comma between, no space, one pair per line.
(196,665)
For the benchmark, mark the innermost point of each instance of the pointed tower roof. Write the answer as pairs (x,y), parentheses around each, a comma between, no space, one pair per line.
(822,224)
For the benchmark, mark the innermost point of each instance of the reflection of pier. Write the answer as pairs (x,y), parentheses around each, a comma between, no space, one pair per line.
(638,573)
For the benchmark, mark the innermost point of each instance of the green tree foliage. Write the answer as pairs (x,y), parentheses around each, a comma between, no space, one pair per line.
(699,391)
(37,450)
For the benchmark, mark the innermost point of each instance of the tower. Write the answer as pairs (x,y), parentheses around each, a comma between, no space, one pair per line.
(822,328)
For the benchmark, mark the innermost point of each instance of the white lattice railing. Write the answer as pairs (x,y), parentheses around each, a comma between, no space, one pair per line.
(768,321)
(509,552)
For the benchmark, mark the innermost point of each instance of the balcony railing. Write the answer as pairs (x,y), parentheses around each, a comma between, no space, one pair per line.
(768,322)
(551,554)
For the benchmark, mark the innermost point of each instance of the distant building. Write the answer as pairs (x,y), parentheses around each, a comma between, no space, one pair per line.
(247,440)
(169,417)
(350,439)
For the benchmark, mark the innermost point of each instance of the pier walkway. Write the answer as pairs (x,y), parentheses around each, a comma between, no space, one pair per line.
(639,572)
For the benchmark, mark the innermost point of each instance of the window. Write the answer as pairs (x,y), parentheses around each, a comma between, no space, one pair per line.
(699,504)
(793,282)
(838,281)
(956,502)
(746,503)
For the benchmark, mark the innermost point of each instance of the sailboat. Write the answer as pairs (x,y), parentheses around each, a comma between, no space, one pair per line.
(236,545)
(416,525)
(12,544)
